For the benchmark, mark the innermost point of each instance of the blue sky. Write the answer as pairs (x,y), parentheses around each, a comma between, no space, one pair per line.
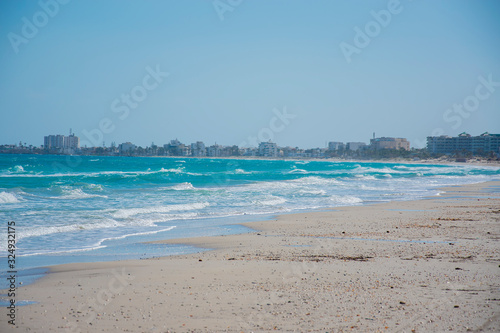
(234,66)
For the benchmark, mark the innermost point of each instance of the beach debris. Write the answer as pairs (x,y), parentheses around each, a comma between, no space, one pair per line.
(462,258)
(345,258)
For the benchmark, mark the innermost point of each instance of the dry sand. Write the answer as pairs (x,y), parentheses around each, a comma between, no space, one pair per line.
(416,266)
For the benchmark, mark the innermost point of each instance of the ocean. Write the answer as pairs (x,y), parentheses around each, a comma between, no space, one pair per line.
(79,209)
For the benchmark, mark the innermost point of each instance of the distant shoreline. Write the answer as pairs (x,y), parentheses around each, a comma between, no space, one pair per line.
(443,161)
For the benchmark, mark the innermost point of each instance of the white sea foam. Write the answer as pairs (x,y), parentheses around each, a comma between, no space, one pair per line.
(345,200)
(365,177)
(183,186)
(242,172)
(102,173)
(128,212)
(368,170)
(17,169)
(49,252)
(36,212)
(99,244)
(94,187)
(75,194)
(158,218)
(313,191)
(173,170)
(298,171)
(6,198)
(313,180)
(48,230)
(270,201)
(179,170)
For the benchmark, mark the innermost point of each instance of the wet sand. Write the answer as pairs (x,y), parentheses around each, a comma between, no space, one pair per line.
(415,266)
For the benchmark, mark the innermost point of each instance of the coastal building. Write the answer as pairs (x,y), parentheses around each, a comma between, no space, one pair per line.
(225,151)
(172,148)
(389,143)
(176,148)
(336,145)
(53,142)
(249,151)
(67,144)
(290,151)
(198,149)
(126,148)
(268,149)
(484,143)
(355,146)
(71,142)
(315,152)
(214,150)
(231,151)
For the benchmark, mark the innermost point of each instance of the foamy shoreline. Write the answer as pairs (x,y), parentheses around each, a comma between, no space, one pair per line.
(427,265)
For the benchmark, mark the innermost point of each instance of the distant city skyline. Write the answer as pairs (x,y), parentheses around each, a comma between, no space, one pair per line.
(327,144)
(299,73)
(462,146)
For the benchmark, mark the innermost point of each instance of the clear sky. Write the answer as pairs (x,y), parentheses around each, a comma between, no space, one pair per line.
(298,71)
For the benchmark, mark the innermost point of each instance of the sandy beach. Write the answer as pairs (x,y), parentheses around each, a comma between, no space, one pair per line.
(431,265)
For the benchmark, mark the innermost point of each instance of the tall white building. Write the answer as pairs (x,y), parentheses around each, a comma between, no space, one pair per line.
(268,149)
(68,144)
(53,142)
(71,142)
(198,149)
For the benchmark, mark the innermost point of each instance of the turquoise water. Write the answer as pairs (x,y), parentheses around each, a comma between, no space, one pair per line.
(73,209)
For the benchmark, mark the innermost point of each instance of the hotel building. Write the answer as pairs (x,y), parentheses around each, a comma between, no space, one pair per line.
(483,143)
